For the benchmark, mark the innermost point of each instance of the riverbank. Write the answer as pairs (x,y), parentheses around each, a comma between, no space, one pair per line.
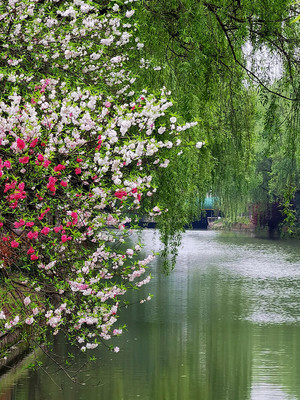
(242,224)
(14,345)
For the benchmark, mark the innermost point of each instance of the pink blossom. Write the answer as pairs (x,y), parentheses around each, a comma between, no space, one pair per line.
(51,184)
(24,160)
(129,252)
(34,143)
(77,171)
(40,157)
(19,224)
(45,230)
(64,183)
(107,104)
(114,310)
(31,250)
(7,164)
(58,228)
(27,301)
(46,163)
(43,213)
(32,235)
(120,194)
(64,238)
(14,244)
(9,186)
(29,224)
(83,286)
(34,257)
(20,144)
(74,215)
(29,321)
(59,167)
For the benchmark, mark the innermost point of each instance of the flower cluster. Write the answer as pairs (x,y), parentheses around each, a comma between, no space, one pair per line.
(78,152)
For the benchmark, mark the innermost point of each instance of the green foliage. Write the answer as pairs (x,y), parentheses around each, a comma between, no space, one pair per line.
(247,116)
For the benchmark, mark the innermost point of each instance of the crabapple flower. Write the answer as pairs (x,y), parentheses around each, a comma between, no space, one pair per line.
(20,144)
(24,160)
(129,13)
(129,252)
(27,301)
(199,145)
(45,230)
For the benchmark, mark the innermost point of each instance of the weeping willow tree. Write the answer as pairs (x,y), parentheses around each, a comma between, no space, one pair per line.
(226,61)
(277,170)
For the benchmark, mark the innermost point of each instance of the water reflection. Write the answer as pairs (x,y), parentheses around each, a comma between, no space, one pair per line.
(223,326)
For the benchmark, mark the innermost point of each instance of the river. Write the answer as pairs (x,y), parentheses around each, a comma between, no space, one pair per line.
(224,325)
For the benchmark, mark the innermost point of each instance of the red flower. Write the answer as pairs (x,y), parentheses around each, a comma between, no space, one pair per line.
(51,184)
(7,164)
(77,171)
(34,143)
(45,230)
(58,228)
(59,167)
(20,144)
(32,235)
(46,163)
(120,194)
(19,224)
(24,160)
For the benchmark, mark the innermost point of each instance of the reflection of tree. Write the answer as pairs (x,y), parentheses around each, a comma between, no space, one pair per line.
(190,342)
(229,340)
(276,357)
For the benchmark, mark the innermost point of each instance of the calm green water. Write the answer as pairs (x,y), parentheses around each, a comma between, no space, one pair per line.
(225,324)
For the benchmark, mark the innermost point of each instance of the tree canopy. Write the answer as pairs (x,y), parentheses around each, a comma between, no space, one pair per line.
(235,66)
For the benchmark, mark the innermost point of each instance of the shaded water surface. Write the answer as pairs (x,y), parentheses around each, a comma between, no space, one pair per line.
(224,325)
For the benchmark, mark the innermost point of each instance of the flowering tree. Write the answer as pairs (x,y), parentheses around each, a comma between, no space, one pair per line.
(79,146)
